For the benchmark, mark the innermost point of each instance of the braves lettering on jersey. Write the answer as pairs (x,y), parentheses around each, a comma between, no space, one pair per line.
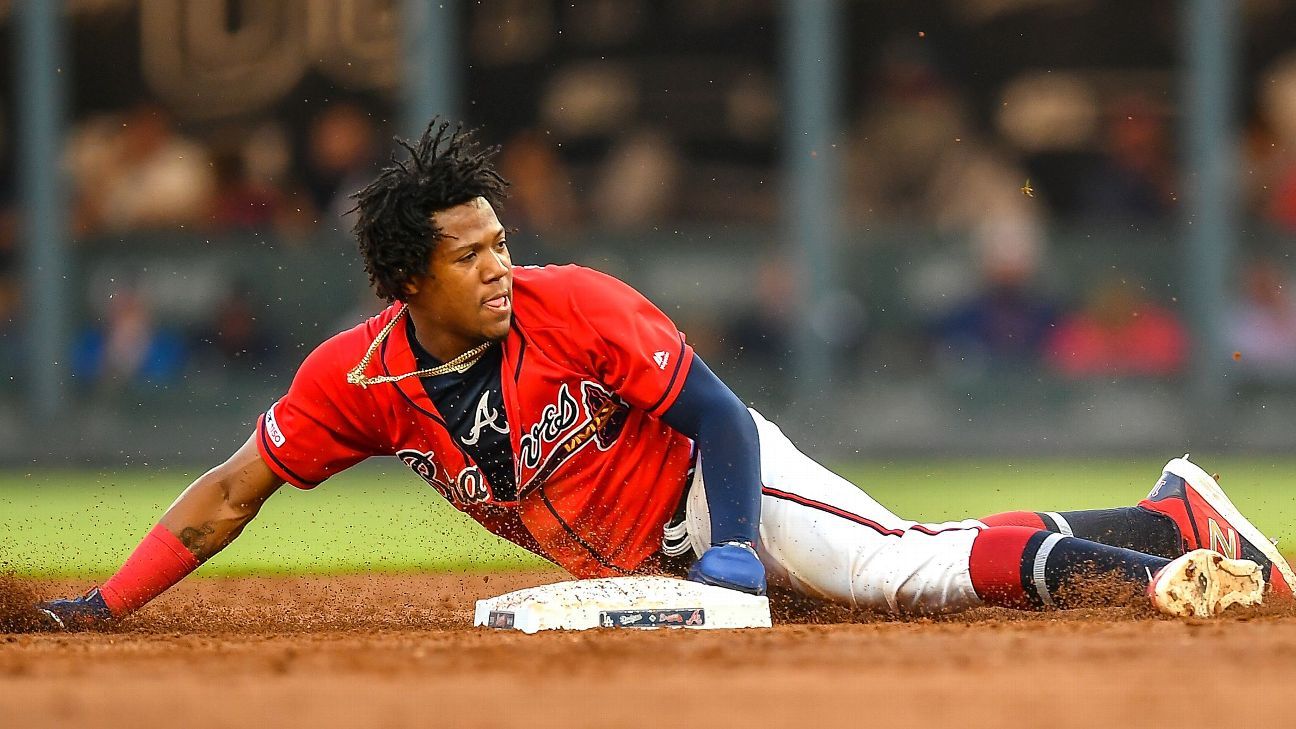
(583,385)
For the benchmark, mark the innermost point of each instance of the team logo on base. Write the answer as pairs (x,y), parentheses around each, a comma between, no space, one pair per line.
(688,617)
(500,619)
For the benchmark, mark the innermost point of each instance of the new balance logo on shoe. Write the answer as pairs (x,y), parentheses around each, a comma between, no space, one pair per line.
(1219,542)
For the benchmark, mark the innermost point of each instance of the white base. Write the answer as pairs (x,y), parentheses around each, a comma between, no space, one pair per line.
(623,602)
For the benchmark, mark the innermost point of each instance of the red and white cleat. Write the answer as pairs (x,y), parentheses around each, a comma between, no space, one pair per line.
(1208,520)
(1204,584)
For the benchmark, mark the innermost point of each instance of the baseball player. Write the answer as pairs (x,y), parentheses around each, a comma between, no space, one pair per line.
(564,412)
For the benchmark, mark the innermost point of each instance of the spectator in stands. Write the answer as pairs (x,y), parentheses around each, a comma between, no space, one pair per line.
(915,154)
(761,335)
(1262,324)
(137,173)
(239,203)
(540,198)
(899,137)
(917,158)
(638,181)
(1133,178)
(1121,332)
(236,338)
(129,348)
(1272,164)
(1005,324)
(341,158)
(253,192)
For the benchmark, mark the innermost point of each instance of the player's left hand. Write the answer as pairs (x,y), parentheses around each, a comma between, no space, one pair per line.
(733,565)
(88,612)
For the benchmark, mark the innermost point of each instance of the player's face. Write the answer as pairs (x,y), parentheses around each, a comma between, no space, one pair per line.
(466,296)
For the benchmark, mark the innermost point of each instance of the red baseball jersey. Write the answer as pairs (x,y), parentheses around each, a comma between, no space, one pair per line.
(588,368)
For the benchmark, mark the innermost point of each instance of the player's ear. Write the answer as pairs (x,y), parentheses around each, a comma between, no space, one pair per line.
(411,286)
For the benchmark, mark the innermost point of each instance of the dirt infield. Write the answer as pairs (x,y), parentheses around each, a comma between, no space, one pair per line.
(399,651)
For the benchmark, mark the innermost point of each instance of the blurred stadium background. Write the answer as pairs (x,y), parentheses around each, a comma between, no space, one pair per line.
(948,228)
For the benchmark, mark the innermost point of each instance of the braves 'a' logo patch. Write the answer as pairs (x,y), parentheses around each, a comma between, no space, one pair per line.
(468,487)
(485,417)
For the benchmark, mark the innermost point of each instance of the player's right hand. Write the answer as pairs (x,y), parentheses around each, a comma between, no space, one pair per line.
(733,565)
(88,612)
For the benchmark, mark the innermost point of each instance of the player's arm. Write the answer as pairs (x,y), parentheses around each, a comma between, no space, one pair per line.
(640,353)
(216,507)
(201,522)
(710,413)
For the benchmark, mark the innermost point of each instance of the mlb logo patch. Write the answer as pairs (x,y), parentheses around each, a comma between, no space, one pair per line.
(272,428)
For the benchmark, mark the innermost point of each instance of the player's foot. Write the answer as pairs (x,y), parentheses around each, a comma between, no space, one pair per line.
(1203,584)
(1208,520)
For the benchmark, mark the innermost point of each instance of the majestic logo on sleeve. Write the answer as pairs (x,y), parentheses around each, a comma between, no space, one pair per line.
(485,417)
(604,419)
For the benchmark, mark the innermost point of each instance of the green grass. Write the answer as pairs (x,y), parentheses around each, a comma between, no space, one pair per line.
(83,523)
(69,523)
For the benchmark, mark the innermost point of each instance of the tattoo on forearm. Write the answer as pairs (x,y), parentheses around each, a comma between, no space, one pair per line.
(195,538)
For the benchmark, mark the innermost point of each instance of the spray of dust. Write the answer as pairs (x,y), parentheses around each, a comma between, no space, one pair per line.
(18,606)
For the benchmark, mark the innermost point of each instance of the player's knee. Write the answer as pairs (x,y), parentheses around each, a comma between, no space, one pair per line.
(1015,518)
(995,564)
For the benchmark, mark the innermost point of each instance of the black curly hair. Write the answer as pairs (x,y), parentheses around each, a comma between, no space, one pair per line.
(394,228)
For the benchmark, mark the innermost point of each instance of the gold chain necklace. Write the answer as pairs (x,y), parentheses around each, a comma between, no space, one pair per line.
(459,364)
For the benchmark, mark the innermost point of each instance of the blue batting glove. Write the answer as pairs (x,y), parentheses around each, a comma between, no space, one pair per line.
(88,612)
(733,565)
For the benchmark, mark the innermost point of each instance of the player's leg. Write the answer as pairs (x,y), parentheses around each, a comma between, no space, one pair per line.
(1032,569)
(824,537)
(1129,527)
(1185,510)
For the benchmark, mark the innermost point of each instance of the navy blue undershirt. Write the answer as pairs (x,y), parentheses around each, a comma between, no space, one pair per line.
(478,426)
(708,412)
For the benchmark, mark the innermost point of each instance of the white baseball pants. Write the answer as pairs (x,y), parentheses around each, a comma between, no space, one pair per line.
(824,537)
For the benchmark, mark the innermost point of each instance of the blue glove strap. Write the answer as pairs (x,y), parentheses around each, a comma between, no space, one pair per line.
(81,613)
(733,565)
